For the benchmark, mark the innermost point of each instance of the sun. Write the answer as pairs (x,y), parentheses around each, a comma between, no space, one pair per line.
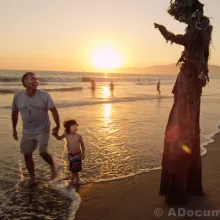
(106,58)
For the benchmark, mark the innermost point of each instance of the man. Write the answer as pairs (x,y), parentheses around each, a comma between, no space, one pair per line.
(33,106)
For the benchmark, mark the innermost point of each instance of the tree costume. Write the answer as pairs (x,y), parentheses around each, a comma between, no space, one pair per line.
(181,163)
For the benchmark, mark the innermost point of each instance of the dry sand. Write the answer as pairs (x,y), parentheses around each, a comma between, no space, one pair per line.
(136,198)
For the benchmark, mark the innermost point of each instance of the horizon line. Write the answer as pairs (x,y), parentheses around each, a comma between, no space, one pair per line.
(93,71)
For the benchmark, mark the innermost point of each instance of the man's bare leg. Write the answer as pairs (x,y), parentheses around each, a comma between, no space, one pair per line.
(47,157)
(28,158)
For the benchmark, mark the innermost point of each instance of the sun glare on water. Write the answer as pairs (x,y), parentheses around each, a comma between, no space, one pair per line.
(106,58)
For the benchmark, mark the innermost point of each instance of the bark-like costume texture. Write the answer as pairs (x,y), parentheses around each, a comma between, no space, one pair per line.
(181,163)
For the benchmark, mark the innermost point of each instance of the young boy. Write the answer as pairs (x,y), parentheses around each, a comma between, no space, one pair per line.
(76,149)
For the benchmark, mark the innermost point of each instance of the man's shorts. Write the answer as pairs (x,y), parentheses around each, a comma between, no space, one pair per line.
(75,162)
(29,142)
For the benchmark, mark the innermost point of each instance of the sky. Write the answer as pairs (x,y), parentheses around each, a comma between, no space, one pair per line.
(69,35)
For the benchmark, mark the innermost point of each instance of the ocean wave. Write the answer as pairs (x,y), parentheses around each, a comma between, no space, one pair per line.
(103,101)
(10,91)
(203,146)
(7,91)
(10,79)
(78,78)
(110,101)
(43,79)
(64,89)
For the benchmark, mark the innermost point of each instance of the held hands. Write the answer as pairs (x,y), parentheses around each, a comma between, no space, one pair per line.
(55,131)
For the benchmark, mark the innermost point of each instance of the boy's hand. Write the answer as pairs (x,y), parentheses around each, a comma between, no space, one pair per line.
(54,133)
(82,156)
(55,130)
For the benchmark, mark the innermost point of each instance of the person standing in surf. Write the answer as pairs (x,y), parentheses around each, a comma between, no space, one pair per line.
(76,149)
(112,86)
(33,105)
(158,88)
(93,84)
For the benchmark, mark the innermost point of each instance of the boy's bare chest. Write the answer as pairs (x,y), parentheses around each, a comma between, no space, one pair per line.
(73,139)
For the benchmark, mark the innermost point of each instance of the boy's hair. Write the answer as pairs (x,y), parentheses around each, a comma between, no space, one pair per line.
(24,77)
(68,124)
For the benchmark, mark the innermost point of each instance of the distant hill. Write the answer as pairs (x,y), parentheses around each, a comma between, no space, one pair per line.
(170,69)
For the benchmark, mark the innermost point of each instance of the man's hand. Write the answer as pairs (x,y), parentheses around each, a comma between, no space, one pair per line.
(55,131)
(15,135)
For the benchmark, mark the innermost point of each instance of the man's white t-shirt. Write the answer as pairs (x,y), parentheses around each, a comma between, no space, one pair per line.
(34,111)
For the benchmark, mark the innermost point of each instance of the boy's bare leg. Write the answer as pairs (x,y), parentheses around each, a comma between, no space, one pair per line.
(47,157)
(77,178)
(30,167)
(71,183)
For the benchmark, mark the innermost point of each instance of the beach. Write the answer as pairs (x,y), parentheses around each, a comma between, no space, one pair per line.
(90,91)
(123,133)
(137,197)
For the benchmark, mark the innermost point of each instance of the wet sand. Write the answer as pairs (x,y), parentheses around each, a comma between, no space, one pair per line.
(136,198)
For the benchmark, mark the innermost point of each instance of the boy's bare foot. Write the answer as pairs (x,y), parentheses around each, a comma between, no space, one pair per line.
(53,173)
(31,182)
(70,186)
(77,186)
(77,182)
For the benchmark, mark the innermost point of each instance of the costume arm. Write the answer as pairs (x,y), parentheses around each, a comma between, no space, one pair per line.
(178,39)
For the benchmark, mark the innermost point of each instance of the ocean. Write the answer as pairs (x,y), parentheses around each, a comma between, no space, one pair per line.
(123,133)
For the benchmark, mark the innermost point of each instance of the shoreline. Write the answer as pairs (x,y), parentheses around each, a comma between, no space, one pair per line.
(204,151)
(138,196)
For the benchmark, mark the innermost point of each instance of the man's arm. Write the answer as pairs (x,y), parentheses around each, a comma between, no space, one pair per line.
(58,137)
(56,118)
(14,118)
(82,147)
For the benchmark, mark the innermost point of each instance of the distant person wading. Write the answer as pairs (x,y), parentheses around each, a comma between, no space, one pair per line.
(158,88)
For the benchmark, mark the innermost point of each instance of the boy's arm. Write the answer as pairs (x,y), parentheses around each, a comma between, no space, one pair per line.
(58,137)
(82,146)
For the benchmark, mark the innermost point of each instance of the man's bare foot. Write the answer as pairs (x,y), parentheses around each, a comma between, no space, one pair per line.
(53,173)
(31,182)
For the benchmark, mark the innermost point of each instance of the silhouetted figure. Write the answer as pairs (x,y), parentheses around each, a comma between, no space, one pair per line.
(158,88)
(181,164)
(93,85)
(112,86)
